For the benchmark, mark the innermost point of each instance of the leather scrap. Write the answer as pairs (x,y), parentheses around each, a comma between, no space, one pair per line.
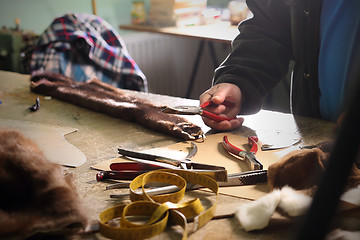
(101,97)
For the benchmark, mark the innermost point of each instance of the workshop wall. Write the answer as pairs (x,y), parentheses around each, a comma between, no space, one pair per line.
(36,15)
(167,73)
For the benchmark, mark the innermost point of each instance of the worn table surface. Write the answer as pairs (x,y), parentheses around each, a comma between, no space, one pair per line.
(98,137)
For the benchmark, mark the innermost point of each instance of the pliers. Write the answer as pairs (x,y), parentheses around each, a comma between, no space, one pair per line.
(248,156)
(193,110)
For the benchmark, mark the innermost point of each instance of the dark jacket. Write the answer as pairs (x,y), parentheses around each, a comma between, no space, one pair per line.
(280,31)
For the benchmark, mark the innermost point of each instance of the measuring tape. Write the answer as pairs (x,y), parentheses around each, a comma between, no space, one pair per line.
(161,209)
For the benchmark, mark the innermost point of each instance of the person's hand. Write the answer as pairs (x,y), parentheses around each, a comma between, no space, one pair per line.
(227,102)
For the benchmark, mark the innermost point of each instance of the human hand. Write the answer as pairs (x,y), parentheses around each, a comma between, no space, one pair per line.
(227,102)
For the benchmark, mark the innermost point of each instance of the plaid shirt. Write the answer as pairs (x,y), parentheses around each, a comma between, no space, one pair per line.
(83,46)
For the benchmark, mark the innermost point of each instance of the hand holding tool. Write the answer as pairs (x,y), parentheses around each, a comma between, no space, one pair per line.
(248,156)
(193,110)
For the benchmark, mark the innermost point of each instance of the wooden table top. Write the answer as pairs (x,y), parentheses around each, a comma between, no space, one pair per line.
(99,136)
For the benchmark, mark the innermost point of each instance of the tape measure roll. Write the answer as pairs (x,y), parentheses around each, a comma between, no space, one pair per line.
(109,230)
(159,209)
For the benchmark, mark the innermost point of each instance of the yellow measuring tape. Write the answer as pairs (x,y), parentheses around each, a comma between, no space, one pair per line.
(160,209)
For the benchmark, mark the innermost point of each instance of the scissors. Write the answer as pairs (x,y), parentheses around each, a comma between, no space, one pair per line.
(193,110)
(248,156)
(145,162)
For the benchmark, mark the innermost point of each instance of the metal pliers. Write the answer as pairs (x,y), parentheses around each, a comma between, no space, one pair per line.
(193,110)
(248,156)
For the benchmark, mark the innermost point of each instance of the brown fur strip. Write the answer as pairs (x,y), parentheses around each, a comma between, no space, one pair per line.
(36,197)
(101,97)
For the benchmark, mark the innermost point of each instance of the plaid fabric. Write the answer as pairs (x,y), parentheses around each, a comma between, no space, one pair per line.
(83,46)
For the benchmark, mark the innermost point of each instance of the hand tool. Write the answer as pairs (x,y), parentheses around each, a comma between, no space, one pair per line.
(217,172)
(248,156)
(193,110)
(267,147)
(36,106)
(235,179)
(130,170)
(126,170)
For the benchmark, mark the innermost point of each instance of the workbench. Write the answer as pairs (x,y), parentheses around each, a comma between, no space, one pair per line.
(98,136)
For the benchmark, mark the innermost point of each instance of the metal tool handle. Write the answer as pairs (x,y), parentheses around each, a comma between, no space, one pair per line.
(252,162)
(150,157)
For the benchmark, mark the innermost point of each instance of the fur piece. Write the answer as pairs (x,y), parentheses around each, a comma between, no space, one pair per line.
(297,169)
(292,183)
(36,197)
(102,97)
(294,203)
(301,169)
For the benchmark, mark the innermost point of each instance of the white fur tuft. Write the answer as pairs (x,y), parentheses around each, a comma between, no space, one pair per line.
(352,196)
(294,203)
(256,215)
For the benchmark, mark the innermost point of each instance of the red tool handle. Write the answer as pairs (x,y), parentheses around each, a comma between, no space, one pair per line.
(235,150)
(253,143)
(133,166)
(231,148)
(213,116)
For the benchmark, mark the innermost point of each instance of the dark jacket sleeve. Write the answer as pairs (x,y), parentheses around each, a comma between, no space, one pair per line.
(260,53)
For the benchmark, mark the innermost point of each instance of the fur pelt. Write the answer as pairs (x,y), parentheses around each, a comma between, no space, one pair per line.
(297,169)
(36,197)
(102,97)
(301,169)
